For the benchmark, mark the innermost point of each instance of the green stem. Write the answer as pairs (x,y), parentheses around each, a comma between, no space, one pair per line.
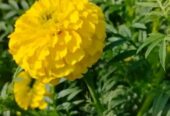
(146,105)
(149,98)
(98,105)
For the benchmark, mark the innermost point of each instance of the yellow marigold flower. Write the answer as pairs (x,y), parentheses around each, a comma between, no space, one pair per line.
(58,38)
(28,92)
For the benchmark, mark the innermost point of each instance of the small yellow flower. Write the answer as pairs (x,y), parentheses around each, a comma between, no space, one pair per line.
(28,92)
(58,38)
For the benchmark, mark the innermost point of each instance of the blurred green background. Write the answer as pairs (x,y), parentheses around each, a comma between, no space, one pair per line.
(132,78)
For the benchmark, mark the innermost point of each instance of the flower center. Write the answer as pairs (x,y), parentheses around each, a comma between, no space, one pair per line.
(47,16)
(32,83)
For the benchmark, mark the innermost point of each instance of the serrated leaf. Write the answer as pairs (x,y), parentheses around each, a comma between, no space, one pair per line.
(150,48)
(66,92)
(108,84)
(72,95)
(152,37)
(162,53)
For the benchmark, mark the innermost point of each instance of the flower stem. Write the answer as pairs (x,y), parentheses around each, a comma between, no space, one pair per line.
(98,105)
(146,105)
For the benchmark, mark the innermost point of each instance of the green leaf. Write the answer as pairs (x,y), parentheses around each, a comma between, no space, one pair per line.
(24,4)
(150,48)
(4,6)
(2,26)
(139,26)
(152,37)
(167,38)
(77,102)
(110,28)
(14,4)
(162,53)
(168,113)
(72,95)
(114,44)
(123,55)
(66,92)
(159,104)
(148,4)
(155,13)
(125,31)
(4,91)
(10,14)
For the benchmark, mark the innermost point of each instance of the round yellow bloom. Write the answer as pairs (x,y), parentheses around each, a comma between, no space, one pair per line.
(58,38)
(28,92)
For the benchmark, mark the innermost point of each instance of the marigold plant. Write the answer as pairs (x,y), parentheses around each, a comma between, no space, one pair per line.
(58,38)
(46,43)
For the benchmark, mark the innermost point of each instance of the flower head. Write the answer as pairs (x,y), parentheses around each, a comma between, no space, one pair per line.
(28,92)
(58,38)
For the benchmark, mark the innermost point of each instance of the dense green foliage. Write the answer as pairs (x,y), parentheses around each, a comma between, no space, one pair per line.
(131,78)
